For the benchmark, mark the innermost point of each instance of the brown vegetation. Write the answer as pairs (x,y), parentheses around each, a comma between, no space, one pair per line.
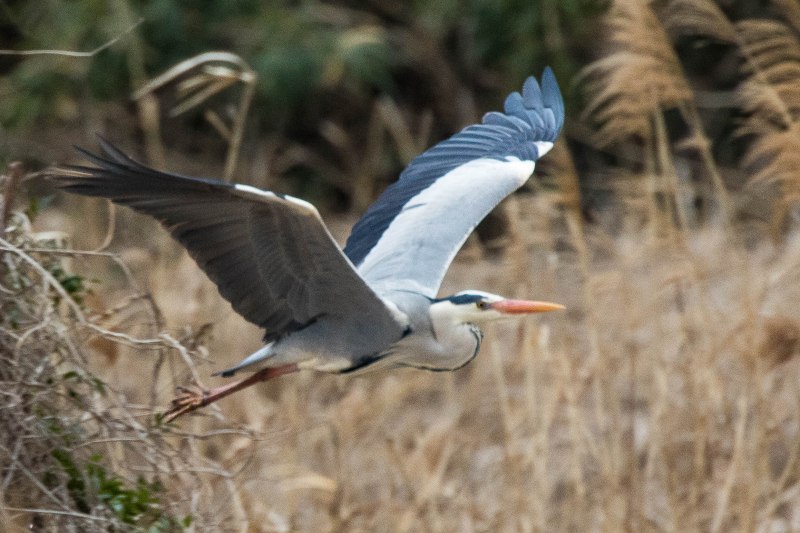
(665,399)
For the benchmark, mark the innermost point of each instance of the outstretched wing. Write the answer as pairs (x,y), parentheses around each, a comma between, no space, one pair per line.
(408,237)
(270,255)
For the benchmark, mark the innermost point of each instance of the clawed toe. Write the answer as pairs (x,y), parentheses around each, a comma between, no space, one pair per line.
(188,399)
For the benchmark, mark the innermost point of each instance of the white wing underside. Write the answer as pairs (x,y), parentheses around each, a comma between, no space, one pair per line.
(420,243)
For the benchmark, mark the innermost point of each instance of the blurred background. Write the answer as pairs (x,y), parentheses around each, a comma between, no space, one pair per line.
(666,398)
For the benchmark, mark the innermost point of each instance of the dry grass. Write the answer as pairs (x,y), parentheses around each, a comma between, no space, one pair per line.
(641,75)
(664,399)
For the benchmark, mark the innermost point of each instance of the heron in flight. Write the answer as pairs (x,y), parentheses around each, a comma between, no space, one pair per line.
(372,304)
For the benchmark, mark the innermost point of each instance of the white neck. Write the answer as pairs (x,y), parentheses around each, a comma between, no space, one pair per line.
(454,325)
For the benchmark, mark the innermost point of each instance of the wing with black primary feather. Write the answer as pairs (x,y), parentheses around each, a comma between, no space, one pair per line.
(270,255)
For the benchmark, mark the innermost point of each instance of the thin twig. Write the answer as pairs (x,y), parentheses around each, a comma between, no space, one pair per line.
(53,282)
(112,224)
(53,511)
(15,172)
(68,53)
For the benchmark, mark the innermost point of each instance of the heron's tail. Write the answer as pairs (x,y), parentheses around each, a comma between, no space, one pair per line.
(259,355)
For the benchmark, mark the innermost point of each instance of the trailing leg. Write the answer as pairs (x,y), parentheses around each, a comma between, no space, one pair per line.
(192,398)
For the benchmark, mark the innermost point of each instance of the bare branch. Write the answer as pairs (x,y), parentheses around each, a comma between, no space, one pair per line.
(69,53)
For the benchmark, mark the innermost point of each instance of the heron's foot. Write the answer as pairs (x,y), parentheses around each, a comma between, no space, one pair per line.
(188,399)
(192,398)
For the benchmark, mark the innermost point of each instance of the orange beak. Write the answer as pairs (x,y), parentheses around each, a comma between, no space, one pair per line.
(521,307)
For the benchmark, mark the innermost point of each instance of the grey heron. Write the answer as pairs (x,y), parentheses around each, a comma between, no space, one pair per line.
(373,304)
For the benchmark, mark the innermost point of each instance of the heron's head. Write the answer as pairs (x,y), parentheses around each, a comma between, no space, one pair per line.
(476,307)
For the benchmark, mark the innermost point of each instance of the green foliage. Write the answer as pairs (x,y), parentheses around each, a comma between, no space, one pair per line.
(36,204)
(137,505)
(45,86)
(316,62)
(88,482)
(74,284)
(85,378)
(514,37)
(296,48)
